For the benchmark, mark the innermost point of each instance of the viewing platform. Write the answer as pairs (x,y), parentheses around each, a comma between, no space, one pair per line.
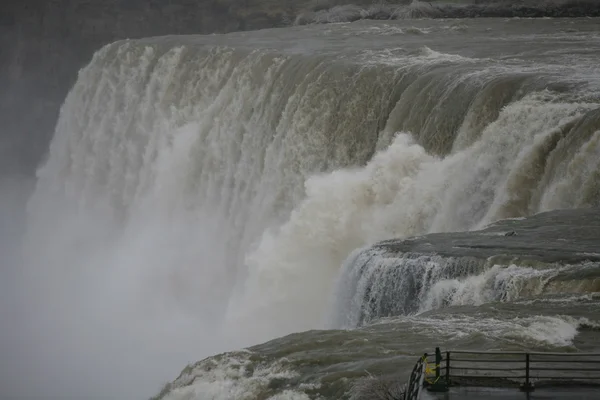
(547,393)
(505,375)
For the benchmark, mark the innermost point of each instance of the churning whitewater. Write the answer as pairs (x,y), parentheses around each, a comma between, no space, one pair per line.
(202,194)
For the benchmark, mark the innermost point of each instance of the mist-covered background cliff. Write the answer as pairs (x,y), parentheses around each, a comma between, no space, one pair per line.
(44,44)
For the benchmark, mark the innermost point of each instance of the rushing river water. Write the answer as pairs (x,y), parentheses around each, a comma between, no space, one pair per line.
(207,193)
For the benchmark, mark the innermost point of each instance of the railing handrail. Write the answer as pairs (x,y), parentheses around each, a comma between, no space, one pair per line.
(532,353)
(530,361)
(418,375)
(519,360)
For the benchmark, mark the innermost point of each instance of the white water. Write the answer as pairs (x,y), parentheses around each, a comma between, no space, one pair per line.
(233,376)
(499,282)
(374,284)
(402,192)
(161,229)
(558,331)
(160,177)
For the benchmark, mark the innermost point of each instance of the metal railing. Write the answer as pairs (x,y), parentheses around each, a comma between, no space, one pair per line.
(415,382)
(496,368)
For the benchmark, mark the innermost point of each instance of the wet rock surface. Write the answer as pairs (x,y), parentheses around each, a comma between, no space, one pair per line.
(566,236)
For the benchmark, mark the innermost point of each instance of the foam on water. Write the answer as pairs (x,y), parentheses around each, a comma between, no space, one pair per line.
(496,283)
(535,331)
(231,376)
(384,30)
(290,395)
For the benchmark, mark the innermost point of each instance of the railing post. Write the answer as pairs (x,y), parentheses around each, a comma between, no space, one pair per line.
(448,368)
(527,386)
(438,361)
(438,385)
(527,370)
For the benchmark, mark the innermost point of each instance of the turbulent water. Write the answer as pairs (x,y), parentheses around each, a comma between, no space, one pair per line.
(202,194)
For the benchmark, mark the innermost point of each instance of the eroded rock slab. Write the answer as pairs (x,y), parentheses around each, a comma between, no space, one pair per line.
(564,236)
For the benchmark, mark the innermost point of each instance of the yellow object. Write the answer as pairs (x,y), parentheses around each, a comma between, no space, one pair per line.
(430,370)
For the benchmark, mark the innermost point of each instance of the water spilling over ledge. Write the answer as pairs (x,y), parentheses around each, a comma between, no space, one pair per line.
(552,253)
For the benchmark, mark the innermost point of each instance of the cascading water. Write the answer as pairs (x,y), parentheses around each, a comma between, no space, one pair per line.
(202,193)
(167,164)
(403,191)
(376,283)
